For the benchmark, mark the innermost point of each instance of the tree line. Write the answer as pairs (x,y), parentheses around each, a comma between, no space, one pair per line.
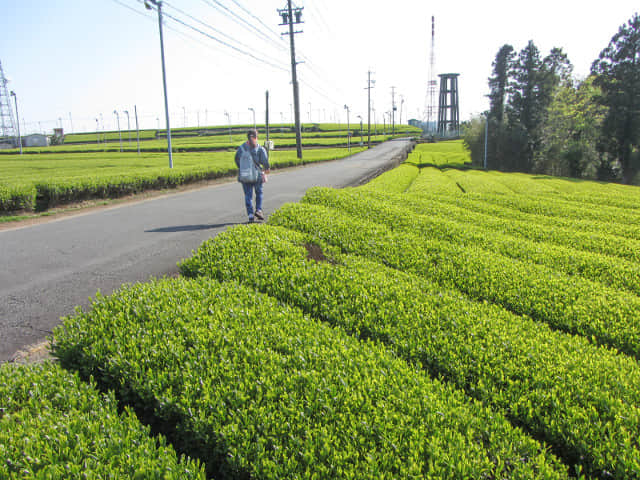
(542,119)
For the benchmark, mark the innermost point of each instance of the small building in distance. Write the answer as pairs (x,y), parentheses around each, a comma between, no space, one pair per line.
(35,140)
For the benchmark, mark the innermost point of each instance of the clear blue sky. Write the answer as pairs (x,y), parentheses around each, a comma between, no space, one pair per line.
(74,61)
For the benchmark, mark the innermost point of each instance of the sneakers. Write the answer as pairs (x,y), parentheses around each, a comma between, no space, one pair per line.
(259,215)
(251,219)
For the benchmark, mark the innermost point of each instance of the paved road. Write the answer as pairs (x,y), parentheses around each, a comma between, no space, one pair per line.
(48,269)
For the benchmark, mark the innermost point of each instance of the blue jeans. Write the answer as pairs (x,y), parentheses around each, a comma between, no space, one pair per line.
(248,196)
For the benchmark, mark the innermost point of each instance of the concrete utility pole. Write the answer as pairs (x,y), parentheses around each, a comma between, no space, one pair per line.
(287,19)
(115,112)
(254,116)
(266,118)
(135,111)
(15,100)
(158,4)
(348,129)
(393,110)
(229,120)
(128,125)
(369,86)
(486,136)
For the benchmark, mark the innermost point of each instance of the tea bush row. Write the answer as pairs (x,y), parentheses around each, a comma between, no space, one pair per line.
(553,384)
(54,426)
(615,240)
(255,389)
(440,224)
(565,302)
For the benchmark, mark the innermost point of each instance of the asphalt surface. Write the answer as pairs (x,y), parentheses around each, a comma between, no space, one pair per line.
(50,268)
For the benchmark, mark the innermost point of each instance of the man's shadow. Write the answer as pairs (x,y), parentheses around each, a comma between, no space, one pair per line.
(190,228)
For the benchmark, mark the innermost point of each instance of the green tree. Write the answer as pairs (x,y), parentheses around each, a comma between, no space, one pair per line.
(532,88)
(569,136)
(499,81)
(618,76)
(498,87)
(473,139)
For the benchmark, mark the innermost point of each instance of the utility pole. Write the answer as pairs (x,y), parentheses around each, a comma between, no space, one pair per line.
(229,120)
(15,100)
(252,110)
(346,107)
(287,19)
(119,132)
(158,4)
(135,111)
(369,86)
(486,136)
(128,125)
(393,110)
(104,135)
(266,119)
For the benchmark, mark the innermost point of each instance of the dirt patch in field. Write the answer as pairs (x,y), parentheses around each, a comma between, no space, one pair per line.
(35,353)
(314,252)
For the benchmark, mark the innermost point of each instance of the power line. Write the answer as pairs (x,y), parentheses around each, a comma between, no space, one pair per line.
(215,4)
(261,22)
(279,67)
(132,9)
(320,17)
(271,62)
(225,43)
(207,25)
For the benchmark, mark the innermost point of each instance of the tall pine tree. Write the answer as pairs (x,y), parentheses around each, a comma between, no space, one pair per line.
(618,76)
(498,85)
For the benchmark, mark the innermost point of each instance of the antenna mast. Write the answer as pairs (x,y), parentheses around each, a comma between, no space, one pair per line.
(7,123)
(432,84)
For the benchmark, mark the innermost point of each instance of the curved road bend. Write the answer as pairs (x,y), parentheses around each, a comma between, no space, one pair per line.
(49,268)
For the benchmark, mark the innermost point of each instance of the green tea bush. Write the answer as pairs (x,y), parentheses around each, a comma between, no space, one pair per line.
(581,399)
(398,214)
(569,303)
(54,426)
(17,197)
(591,236)
(258,390)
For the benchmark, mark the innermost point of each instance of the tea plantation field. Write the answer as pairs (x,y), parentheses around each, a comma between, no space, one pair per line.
(438,322)
(90,166)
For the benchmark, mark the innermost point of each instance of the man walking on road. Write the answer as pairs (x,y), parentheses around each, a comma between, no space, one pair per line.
(253,165)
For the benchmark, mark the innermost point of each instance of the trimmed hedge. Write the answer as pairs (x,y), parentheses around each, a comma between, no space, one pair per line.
(565,302)
(438,224)
(36,183)
(258,390)
(581,399)
(54,426)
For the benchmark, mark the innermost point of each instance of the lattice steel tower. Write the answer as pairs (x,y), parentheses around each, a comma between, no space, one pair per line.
(430,108)
(449,125)
(7,123)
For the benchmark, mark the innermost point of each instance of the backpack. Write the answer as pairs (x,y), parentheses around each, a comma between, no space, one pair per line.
(248,170)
